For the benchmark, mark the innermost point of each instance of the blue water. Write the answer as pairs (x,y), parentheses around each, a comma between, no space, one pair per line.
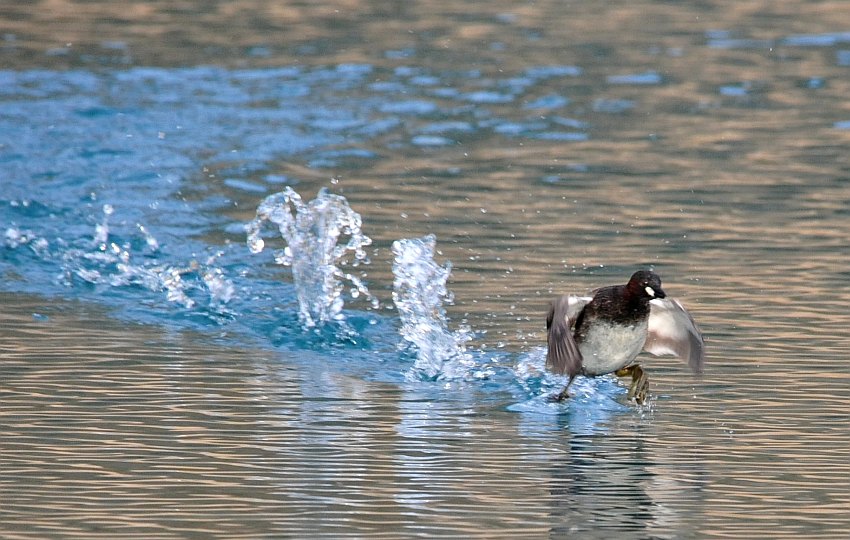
(105,202)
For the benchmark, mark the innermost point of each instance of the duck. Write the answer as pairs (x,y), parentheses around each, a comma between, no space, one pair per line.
(604,333)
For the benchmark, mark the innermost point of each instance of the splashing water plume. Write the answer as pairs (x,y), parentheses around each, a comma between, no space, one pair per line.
(312,232)
(419,290)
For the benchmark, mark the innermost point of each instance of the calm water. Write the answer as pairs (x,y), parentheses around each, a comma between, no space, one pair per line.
(156,380)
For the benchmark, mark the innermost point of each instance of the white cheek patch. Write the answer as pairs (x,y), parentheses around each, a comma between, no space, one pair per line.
(650,291)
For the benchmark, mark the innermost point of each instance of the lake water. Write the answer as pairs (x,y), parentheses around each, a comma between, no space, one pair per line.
(159,379)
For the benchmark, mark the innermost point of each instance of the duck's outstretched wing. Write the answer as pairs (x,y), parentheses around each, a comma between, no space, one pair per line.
(672,330)
(563,356)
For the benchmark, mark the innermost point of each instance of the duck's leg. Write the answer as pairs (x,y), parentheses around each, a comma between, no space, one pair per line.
(564,394)
(640,382)
(640,385)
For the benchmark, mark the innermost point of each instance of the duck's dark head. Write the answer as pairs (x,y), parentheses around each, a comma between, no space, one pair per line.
(645,284)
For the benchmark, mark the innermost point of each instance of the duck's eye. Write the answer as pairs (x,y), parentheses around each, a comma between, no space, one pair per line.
(650,291)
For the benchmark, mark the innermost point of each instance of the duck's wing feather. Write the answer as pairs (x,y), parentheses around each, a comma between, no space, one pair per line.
(563,356)
(673,331)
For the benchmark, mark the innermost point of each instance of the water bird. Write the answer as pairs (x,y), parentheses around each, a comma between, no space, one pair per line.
(604,333)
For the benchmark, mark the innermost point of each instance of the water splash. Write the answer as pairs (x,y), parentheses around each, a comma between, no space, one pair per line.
(419,291)
(15,237)
(320,237)
(101,230)
(112,264)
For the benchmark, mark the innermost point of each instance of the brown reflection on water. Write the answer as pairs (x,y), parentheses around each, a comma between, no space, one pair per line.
(542,33)
(140,434)
(110,430)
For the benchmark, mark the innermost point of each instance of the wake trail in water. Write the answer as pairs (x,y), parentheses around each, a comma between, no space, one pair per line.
(323,244)
(105,260)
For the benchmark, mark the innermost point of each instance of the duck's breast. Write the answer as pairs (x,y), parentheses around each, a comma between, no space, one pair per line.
(607,346)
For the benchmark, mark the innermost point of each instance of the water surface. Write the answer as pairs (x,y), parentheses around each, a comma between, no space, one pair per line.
(157,381)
